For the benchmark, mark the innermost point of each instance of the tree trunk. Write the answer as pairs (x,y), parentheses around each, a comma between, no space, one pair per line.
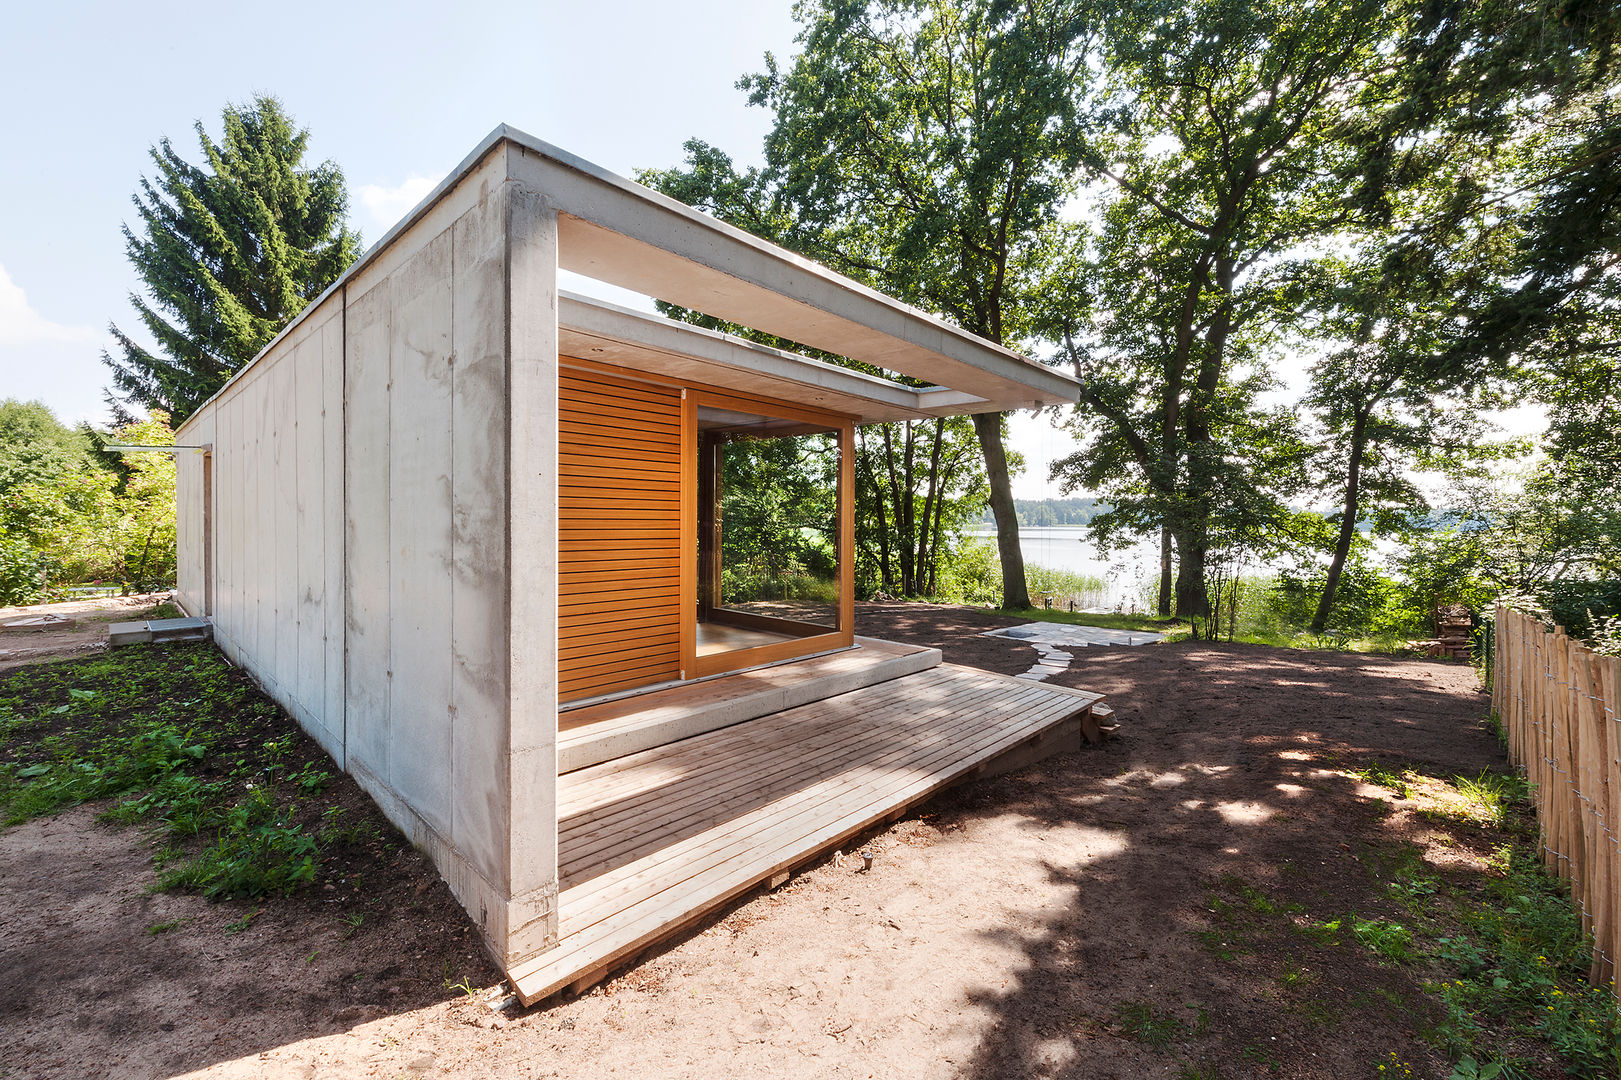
(1191,599)
(886,575)
(1342,546)
(1015,594)
(1166,582)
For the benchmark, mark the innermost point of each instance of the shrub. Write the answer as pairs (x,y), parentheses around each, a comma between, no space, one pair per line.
(22,572)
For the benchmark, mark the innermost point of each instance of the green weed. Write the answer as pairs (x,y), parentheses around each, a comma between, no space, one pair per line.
(1376,772)
(1155,1028)
(1489,795)
(185,746)
(1393,941)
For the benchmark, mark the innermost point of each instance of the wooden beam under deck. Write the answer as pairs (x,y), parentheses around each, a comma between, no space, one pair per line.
(651,843)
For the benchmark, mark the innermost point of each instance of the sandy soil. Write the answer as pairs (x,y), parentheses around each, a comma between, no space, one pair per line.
(1001,932)
(86,633)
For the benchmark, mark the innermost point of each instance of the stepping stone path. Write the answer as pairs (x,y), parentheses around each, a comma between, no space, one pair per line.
(1052,662)
(1054,643)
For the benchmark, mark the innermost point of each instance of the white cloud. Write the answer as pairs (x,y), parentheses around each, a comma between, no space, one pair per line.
(386,205)
(20,324)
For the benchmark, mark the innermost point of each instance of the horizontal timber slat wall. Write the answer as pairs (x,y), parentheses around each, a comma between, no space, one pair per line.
(1560,706)
(619,529)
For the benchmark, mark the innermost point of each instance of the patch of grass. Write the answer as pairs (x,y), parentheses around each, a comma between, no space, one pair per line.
(189,749)
(1521,967)
(1326,933)
(1257,900)
(1157,1028)
(1376,772)
(257,853)
(166,610)
(1393,941)
(1489,795)
(164,927)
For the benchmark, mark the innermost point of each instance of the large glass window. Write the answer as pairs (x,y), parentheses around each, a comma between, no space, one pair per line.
(768,543)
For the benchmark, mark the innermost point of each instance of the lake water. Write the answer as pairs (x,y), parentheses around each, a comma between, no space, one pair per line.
(1127,574)
(1068,547)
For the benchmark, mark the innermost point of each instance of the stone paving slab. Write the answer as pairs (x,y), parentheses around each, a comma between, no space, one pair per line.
(1063,634)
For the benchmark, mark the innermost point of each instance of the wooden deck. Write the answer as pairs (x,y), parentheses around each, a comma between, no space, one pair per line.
(595,733)
(652,842)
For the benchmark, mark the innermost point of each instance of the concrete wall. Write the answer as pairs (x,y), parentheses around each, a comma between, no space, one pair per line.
(277,529)
(362,563)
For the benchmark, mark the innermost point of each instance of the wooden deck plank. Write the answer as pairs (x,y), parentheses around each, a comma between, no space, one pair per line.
(861,780)
(673,701)
(651,842)
(734,790)
(755,742)
(762,747)
(634,926)
(898,758)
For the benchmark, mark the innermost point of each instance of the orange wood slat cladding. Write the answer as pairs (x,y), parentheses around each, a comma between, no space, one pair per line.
(618,448)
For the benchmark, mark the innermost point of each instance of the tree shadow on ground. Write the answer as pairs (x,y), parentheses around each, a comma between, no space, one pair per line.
(1198,949)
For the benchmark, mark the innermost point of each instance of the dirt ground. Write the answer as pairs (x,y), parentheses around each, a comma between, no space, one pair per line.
(1005,930)
(86,633)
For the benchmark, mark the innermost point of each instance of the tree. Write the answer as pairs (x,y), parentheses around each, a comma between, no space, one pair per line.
(1227,144)
(1389,402)
(1493,260)
(924,147)
(36,446)
(229,252)
(921,482)
(68,514)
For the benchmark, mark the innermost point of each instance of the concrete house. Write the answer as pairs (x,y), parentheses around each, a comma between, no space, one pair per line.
(567,587)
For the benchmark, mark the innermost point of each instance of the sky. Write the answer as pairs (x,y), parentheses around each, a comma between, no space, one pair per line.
(396,94)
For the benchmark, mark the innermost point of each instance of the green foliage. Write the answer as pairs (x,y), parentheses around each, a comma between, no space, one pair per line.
(36,447)
(1368,601)
(1520,967)
(256,853)
(1581,607)
(176,737)
(924,147)
(67,517)
(1391,940)
(22,572)
(1050,513)
(779,509)
(228,251)
(918,484)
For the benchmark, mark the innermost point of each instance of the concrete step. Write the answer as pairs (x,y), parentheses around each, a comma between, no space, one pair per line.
(159,630)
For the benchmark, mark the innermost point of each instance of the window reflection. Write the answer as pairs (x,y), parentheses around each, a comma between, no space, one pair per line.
(768,512)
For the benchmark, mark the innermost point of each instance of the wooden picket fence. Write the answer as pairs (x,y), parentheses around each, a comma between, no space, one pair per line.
(1560,705)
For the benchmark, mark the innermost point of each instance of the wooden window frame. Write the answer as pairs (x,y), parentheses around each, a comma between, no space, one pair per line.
(694,666)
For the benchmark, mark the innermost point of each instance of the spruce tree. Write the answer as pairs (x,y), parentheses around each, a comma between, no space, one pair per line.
(229,252)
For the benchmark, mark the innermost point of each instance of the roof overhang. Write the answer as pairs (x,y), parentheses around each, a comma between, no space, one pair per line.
(626,234)
(592,329)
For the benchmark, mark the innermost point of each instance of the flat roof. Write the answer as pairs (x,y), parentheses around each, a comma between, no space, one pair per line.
(615,230)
